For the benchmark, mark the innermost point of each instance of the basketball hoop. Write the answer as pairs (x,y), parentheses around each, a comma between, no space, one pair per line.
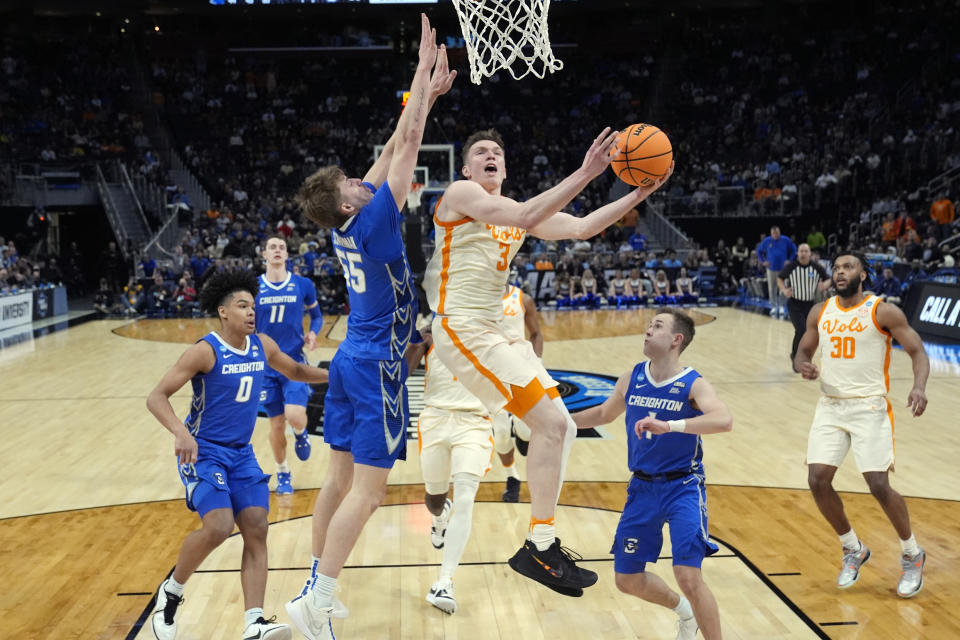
(413,197)
(506,34)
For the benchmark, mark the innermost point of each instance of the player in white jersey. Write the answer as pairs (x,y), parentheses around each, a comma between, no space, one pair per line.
(854,330)
(520,323)
(478,232)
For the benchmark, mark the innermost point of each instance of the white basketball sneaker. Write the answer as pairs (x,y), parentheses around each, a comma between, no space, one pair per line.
(852,561)
(311,620)
(267,630)
(911,580)
(340,610)
(163,620)
(439,527)
(441,596)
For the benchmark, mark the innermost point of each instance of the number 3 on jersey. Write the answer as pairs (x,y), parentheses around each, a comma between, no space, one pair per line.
(352,271)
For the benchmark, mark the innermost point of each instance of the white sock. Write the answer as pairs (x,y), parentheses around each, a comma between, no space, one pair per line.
(465,487)
(910,547)
(568,440)
(283,467)
(543,535)
(323,588)
(172,586)
(512,471)
(252,615)
(850,541)
(314,563)
(683,608)
(297,432)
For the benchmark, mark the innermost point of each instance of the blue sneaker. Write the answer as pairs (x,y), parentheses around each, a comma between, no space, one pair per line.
(284,483)
(302,445)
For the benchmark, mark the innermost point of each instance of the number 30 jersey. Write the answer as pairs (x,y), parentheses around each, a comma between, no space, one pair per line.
(854,349)
(383,304)
(225,399)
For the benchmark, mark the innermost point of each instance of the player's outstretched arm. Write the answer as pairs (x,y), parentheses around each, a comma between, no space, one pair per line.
(893,320)
(199,358)
(470,199)
(607,412)
(716,416)
(562,226)
(440,82)
(808,345)
(289,367)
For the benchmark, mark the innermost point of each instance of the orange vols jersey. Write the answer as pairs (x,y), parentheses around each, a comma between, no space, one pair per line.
(441,390)
(468,271)
(855,350)
(513,315)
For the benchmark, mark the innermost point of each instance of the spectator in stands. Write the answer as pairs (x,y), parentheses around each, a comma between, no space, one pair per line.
(888,287)
(543,263)
(103,300)
(662,290)
(726,284)
(114,267)
(638,239)
(158,296)
(942,212)
(773,253)
(720,254)
(4,280)
(589,292)
(739,254)
(816,239)
(638,288)
(185,297)
(917,273)
(931,251)
(133,299)
(683,288)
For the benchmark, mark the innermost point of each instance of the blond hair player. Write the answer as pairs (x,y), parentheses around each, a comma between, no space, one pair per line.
(853,331)
(478,232)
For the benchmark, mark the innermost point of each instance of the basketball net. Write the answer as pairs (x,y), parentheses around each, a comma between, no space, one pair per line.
(506,34)
(413,197)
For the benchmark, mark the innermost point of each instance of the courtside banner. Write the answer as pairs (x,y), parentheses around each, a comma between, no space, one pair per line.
(16,310)
(934,310)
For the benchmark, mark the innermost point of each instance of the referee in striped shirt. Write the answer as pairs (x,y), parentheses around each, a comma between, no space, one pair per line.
(799,281)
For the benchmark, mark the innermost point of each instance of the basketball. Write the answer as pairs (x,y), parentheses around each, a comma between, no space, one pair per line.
(645,155)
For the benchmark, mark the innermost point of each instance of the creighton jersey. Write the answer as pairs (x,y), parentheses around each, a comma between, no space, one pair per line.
(513,315)
(224,407)
(280,307)
(855,350)
(469,268)
(383,305)
(441,390)
(667,400)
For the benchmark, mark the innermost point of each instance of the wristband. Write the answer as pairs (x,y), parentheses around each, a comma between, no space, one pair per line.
(677,425)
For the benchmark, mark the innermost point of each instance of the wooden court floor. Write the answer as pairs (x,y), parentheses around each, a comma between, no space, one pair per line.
(93,513)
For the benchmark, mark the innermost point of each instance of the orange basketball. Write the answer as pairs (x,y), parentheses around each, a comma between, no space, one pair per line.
(645,155)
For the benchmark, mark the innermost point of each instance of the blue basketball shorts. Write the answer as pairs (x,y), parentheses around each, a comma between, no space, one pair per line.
(224,477)
(279,391)
(366,411)
(683,504)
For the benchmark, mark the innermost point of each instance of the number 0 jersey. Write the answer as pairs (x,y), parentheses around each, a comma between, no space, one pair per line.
(854,349)
(468,271)
(383,305)
(664,400)
(224,406)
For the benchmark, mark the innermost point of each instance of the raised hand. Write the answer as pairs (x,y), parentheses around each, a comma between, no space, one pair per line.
(442,78)
(601,153)
(428,42)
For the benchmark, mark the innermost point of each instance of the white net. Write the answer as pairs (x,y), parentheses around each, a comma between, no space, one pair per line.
(413,196)
(507,34)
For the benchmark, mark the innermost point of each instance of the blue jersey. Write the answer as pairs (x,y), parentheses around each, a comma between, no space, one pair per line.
(667,400)
(224,407)
(280,308)
(383,304)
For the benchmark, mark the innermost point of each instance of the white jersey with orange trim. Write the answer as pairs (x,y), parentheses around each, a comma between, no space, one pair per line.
(468,271)
(441,390)
(855,350)
(514,314)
